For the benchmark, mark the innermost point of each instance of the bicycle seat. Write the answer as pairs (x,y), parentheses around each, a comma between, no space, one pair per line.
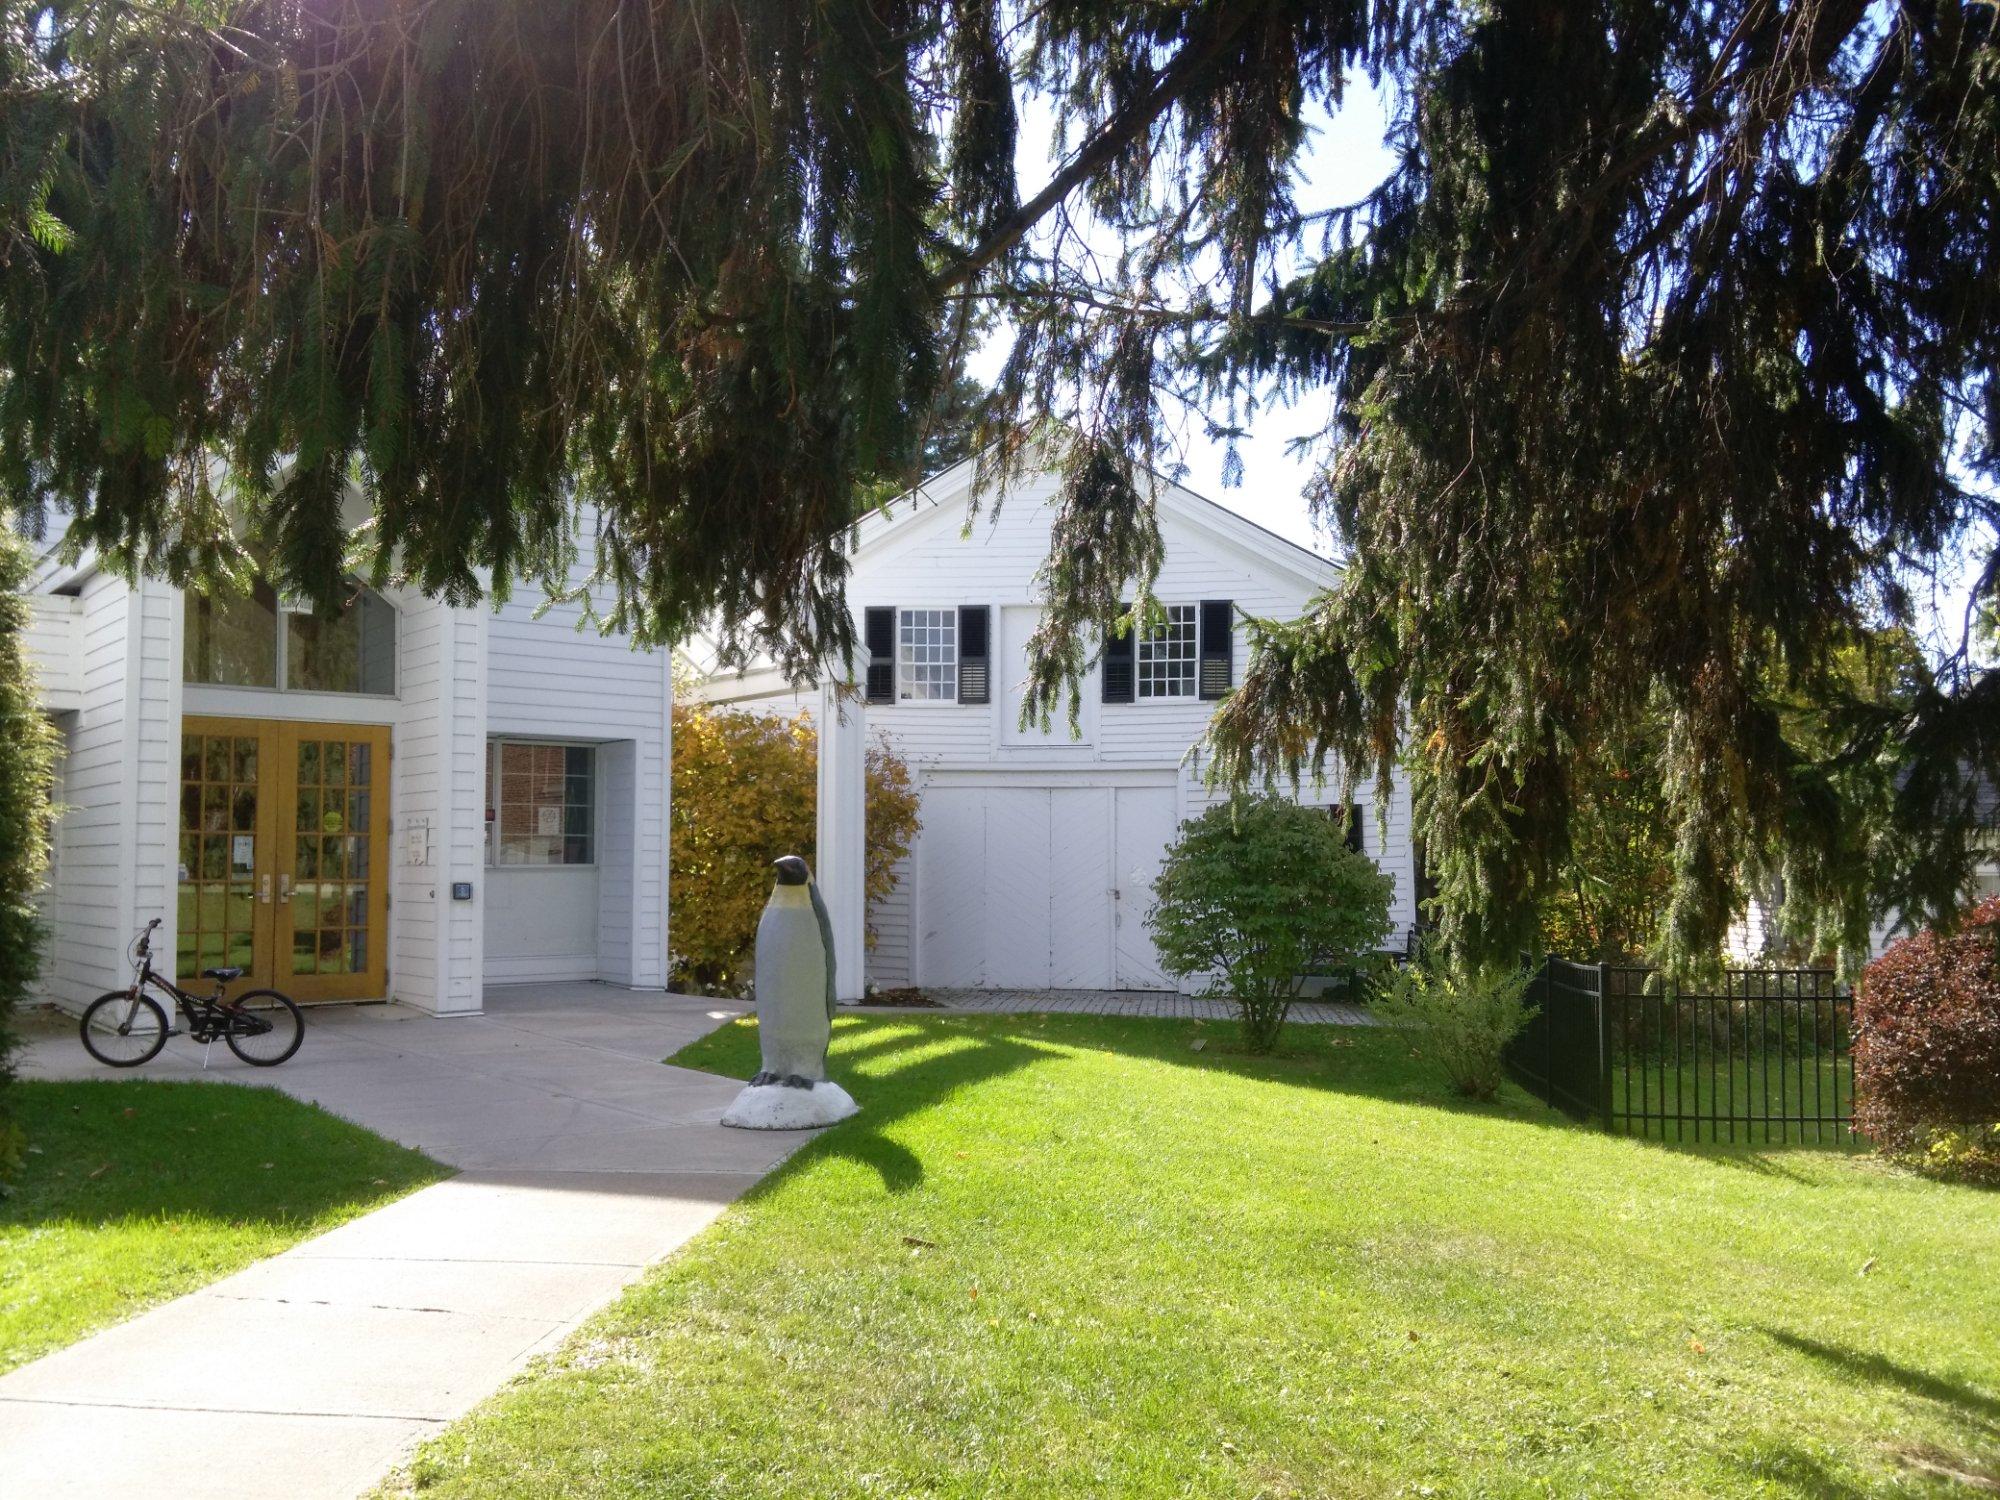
(222,976)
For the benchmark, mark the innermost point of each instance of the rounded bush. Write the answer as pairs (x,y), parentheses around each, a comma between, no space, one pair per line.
(1927,1046)
(1256,894)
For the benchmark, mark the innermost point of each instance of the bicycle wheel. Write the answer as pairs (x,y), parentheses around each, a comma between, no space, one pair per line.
(282,1028)
(122,1031)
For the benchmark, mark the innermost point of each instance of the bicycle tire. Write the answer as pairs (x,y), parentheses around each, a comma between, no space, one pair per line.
(143,1006)
(285,1013)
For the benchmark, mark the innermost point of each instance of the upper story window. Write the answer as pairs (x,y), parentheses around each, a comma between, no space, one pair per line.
(1166,656)
(541,804)
(257,641)
(927,655)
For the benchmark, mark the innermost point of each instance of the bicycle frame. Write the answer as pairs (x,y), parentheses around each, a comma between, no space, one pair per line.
(208,1016)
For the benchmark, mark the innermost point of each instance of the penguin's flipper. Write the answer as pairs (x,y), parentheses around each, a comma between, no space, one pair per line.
(826,942)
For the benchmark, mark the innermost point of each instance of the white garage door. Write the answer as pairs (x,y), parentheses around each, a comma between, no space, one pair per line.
(1039,887)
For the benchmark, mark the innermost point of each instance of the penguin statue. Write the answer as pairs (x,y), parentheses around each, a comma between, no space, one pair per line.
(795,1004)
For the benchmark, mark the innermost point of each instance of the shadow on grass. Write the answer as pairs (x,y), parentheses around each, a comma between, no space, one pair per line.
(1365,1062)
(889,1089)
(1977,1410)
(105,1152)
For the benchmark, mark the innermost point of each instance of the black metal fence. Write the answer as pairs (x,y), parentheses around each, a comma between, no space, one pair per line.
(1767,1058)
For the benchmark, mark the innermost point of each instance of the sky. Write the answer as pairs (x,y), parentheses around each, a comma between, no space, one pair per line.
(1348,157)
(1345,160)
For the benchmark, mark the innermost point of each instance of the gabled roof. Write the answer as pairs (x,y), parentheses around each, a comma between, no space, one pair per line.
(953,486)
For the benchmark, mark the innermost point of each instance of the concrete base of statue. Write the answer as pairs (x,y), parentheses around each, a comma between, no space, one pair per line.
(779,1106)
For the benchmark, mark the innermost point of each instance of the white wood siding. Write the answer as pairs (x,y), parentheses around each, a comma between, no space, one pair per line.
(437,959)
(54,642)
(550,676)
(923,560)
(115,844)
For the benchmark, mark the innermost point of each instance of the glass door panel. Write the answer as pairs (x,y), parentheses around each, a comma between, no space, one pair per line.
(333,896)
(225,826)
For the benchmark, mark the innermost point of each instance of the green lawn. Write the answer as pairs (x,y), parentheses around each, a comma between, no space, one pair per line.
(1074,1256)
(1808,1094)
(135,1192)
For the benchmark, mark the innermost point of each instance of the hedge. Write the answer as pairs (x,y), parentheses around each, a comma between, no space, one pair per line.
(1927,1047)
(27,766)
(745,792)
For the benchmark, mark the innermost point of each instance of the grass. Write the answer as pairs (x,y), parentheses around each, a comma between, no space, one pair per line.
(1664,1098)
(1076,1256)
(135,1192)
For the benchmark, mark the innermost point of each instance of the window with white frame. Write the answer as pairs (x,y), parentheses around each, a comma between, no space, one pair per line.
(541,803)
(262,640)
(1166,656)
(927,655)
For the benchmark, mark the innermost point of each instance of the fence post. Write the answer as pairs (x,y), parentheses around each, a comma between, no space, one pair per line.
(1544,997)
(1604,1044)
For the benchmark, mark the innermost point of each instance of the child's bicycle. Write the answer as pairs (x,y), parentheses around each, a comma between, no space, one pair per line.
(128,1027)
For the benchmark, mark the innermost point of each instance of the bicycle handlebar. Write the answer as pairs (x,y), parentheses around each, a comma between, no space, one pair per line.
(145,947)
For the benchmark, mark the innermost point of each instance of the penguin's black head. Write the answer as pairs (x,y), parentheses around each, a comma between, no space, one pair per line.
(792,870)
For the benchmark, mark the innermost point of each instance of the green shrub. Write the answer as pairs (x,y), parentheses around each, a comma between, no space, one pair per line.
(1927,1048)
(27,764)
(1258,895)
(1458,1016)
(745,791)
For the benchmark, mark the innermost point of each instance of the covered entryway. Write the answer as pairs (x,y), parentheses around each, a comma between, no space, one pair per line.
(1022,886)
(283,869)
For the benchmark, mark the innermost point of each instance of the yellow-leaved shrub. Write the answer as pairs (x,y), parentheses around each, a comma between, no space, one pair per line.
(745,792)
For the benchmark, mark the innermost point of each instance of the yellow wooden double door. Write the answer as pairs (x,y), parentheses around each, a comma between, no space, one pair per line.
(284,855)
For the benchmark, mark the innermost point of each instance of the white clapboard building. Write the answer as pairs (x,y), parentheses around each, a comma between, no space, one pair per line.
(1038,850)
(409,802)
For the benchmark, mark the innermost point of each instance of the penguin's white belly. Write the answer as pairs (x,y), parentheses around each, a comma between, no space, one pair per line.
(791,992)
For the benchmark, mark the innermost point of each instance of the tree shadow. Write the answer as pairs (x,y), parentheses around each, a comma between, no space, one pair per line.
(1375,1062)
(889,1091)
(1977,1410)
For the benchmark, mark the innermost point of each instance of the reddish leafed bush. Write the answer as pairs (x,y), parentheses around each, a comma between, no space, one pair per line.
(1927,1045)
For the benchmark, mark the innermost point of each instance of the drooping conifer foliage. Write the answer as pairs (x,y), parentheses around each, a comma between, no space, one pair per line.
(1661,365)
(1665,363)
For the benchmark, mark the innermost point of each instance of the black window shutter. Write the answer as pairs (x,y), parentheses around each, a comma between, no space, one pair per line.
(1218,620)
(1121,668)
(879,635)
(974,656)
(1349,816)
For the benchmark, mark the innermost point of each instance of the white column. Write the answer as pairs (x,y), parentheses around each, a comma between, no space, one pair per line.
(841,867)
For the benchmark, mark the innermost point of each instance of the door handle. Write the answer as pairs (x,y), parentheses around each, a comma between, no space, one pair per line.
(264,889)
(284,887)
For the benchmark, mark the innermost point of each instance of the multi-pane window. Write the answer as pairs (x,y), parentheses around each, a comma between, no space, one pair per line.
(927,655)
(236,641)
(541,803)
(1166,656)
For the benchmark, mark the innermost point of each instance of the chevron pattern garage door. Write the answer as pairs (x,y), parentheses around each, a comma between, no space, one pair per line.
(1039,887)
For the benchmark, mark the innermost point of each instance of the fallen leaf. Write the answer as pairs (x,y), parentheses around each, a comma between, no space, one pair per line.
(268,1165)
(1867,1266)
(100,1171)
(1197,1044)
(974,1294)
(918,1242)
(1697,1346)
(1413,1335)
(130,1111)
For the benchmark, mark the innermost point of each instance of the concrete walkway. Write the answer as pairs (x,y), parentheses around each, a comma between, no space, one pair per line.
(314,1372)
